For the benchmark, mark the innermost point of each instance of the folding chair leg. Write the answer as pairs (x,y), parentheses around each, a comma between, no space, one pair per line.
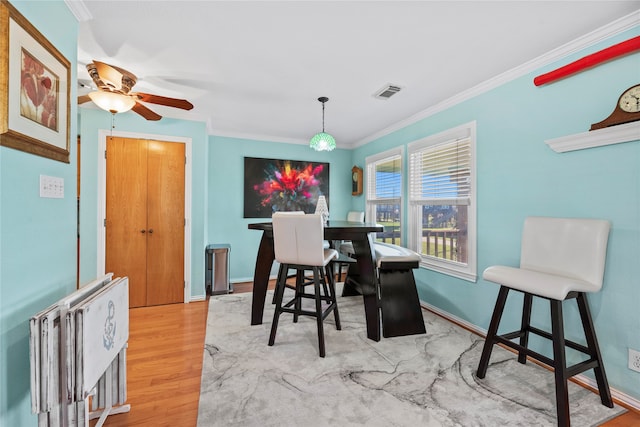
(560,366)
(594,349)
(492,332)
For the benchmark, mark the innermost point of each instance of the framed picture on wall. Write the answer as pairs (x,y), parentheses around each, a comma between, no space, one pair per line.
(272,185)
(35,89)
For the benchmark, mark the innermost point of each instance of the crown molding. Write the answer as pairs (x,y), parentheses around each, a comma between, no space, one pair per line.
(256,137)
(79,10)
(603,33)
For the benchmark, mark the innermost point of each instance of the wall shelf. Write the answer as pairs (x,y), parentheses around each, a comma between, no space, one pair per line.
(612,135)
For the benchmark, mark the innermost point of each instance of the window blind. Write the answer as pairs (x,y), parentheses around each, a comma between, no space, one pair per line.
(440,174)
(387,180)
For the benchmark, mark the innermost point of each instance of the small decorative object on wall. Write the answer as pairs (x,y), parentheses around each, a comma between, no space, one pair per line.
(272,185)
(356,181)
(620,49)
(627,109)
(34,89)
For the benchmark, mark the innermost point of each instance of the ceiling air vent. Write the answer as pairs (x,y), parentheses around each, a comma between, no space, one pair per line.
(387,92)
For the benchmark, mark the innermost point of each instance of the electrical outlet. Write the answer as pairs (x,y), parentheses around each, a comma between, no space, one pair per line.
(634,360)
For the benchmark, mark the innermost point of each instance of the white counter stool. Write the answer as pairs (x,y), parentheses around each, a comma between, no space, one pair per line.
(298,245)
(560,259)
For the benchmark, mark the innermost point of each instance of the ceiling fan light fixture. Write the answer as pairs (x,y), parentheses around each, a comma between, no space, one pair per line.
(322,141)
(112,102)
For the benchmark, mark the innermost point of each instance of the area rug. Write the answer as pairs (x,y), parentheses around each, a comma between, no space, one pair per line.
(419,380)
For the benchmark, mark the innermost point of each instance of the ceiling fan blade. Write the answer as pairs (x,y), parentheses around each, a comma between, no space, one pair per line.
(83,98)
(145,112)
(163,100)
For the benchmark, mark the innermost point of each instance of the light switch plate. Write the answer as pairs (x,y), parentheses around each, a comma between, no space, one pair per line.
(51,187)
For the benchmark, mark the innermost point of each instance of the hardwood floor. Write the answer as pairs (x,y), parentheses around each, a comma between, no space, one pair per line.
(164,364)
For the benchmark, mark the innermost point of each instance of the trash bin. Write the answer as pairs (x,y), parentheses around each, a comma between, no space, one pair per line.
(217,269)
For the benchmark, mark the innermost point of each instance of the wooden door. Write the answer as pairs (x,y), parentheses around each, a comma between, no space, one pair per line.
(145,218)
(165,222)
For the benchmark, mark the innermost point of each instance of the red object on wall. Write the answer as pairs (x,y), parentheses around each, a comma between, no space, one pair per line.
(611,52)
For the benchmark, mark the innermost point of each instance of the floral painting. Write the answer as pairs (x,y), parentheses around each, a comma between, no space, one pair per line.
(35,90)
(272,185)
(38,92)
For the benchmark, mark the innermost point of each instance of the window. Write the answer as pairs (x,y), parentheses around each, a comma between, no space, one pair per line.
(442,206)
(384,194)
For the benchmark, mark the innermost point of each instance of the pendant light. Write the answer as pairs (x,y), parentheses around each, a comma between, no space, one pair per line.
(322,141)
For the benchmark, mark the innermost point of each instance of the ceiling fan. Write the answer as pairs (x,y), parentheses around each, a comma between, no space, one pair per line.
(114,92)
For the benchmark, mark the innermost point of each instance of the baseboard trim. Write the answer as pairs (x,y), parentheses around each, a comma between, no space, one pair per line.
(249,279)
(619,397)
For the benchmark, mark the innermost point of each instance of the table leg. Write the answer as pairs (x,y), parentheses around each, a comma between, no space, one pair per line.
(372,314)
(362,279)
(264,262)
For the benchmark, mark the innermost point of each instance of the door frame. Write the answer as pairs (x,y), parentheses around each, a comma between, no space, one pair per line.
(103,134)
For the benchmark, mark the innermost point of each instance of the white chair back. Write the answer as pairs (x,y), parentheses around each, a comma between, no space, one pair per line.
(573,248)
(355,216)
(298,239)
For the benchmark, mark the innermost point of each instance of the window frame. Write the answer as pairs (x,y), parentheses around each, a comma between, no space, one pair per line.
(466,271)
(370,180)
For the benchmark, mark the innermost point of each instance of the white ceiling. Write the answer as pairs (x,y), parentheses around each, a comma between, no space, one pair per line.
(256,68)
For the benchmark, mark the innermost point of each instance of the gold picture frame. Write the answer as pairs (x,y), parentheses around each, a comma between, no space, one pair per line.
(35,89)
(356,181)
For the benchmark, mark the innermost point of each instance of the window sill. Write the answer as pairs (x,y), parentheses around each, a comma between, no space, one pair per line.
(450,271)
(612,135)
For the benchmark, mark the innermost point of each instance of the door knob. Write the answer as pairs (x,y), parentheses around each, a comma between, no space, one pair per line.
(143,231)
(151,231)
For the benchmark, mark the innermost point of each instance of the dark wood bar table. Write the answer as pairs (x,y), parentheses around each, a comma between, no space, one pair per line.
(361,278)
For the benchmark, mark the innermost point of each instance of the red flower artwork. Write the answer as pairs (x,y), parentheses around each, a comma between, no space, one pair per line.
(287,188)
(38,92)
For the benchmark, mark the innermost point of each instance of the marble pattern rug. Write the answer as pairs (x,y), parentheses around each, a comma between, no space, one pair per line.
(419,380)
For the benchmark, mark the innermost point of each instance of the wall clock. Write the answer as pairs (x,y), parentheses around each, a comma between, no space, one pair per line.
(626,110)
(356,181)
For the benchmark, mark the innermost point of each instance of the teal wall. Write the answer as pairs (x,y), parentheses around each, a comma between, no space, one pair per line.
(519,175)
(225,210)
(91,121)
(38,243)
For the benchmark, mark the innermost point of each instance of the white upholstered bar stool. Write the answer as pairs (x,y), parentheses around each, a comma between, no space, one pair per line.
(560,259)
(298,244)
(299,274)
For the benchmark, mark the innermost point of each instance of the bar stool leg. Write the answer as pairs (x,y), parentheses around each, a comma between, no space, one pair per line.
(524,328)
(280,285)
(492,332)
(332,296)
(299,290)
(560,366)
(594,349)
(319,320)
